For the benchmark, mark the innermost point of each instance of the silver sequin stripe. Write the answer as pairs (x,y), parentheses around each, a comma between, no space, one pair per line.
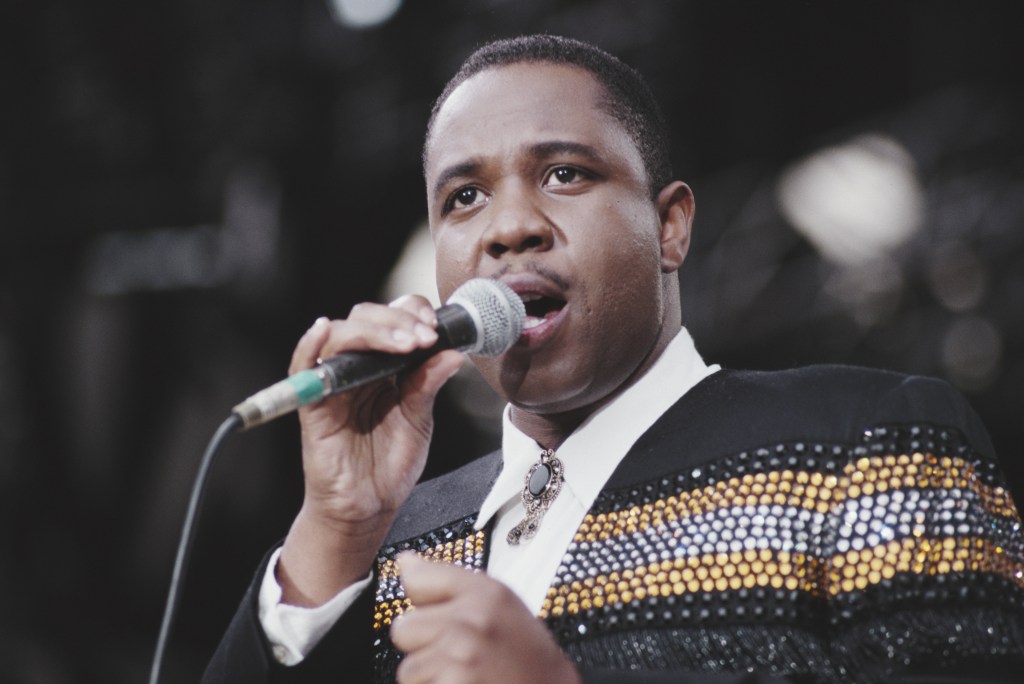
(854,524)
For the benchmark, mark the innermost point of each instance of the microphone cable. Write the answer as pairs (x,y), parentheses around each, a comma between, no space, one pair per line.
(231,424)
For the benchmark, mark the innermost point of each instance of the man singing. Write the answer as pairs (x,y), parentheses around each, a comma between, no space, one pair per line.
(683,523)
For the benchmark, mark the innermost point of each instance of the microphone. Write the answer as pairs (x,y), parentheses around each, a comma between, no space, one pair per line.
(482,317)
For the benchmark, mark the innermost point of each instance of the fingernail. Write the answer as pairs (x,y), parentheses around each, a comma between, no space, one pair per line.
(319,323)
(428,316)
(402,336)
(406,559)
(425,333)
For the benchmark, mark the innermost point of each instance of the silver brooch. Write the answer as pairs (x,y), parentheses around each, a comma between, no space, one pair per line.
(543,483)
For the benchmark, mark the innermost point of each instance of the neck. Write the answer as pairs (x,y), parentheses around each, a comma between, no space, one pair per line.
(549,430)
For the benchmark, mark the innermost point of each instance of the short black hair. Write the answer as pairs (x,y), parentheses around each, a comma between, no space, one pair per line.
(628,98)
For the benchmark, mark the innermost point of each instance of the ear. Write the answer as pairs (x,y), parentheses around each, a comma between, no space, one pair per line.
(675,210)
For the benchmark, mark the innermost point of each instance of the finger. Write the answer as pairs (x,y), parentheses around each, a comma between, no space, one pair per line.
(375,327)
(417,629)
(423,667)
(415,322)
(446,647)
(405,324)
(359,335)
(308,347)
(413,306)
(429,583)
(442,648)
(417,306)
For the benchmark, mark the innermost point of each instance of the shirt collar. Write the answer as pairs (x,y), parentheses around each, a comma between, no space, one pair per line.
(592,452)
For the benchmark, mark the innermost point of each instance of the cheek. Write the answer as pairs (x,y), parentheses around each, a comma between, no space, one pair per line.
(629,228)
(630,288)
(455,262)
(627,258)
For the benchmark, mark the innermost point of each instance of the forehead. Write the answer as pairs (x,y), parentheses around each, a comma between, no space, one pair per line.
(501,108)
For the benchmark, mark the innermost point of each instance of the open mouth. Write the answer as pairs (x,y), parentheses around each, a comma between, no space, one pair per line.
(539,308)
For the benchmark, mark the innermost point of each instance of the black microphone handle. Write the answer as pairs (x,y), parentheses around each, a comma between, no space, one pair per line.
(455,330)
(458,327)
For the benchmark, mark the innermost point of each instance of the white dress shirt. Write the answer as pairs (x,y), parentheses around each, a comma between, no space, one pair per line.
(589,456)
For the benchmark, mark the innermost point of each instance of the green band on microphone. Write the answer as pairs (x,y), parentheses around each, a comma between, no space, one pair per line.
(308,386)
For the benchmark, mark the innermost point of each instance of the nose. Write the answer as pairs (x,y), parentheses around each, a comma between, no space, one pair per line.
(516,226)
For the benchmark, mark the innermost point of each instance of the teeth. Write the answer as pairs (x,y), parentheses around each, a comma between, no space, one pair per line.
(532,322)
(529,297)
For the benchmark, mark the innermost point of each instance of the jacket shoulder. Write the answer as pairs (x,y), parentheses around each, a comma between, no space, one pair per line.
(851,399)
(734,411)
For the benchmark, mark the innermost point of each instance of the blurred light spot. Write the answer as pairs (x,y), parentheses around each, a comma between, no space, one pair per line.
(414,271)
(363,14)
(242,249)
(957,276)
(163,259)
(971,353)
(856,201)
(870,291)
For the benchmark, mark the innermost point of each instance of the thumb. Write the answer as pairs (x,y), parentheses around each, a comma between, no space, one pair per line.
(428,582)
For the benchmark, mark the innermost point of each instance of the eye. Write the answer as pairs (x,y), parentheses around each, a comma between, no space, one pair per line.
(564,175)
(463,198)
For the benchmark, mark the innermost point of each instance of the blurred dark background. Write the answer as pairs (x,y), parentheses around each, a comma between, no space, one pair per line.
(185,186)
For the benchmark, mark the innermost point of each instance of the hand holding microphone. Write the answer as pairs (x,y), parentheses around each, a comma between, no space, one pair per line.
(364,450)
(483,317)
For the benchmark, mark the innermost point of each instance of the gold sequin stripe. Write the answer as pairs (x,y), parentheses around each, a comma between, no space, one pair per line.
(811,490)
(713,572)
(454,551)
(721,572)
(857,570)
(384,613)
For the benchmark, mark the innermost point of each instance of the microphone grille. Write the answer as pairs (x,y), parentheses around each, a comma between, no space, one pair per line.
(497,311)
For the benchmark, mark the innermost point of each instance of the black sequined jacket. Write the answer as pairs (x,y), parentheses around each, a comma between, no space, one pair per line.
(825,524)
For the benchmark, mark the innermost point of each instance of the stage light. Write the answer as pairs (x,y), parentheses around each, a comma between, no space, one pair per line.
(856,201)
(363,14)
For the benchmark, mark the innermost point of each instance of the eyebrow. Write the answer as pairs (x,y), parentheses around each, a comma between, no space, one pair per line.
(537,150)
(553,147)
(466,168)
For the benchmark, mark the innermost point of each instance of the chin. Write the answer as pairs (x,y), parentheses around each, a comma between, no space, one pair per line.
(547,398)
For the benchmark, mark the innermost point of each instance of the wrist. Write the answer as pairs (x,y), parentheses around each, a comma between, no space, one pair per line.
(321,557)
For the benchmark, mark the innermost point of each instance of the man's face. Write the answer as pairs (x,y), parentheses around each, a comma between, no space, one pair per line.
(530,181)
